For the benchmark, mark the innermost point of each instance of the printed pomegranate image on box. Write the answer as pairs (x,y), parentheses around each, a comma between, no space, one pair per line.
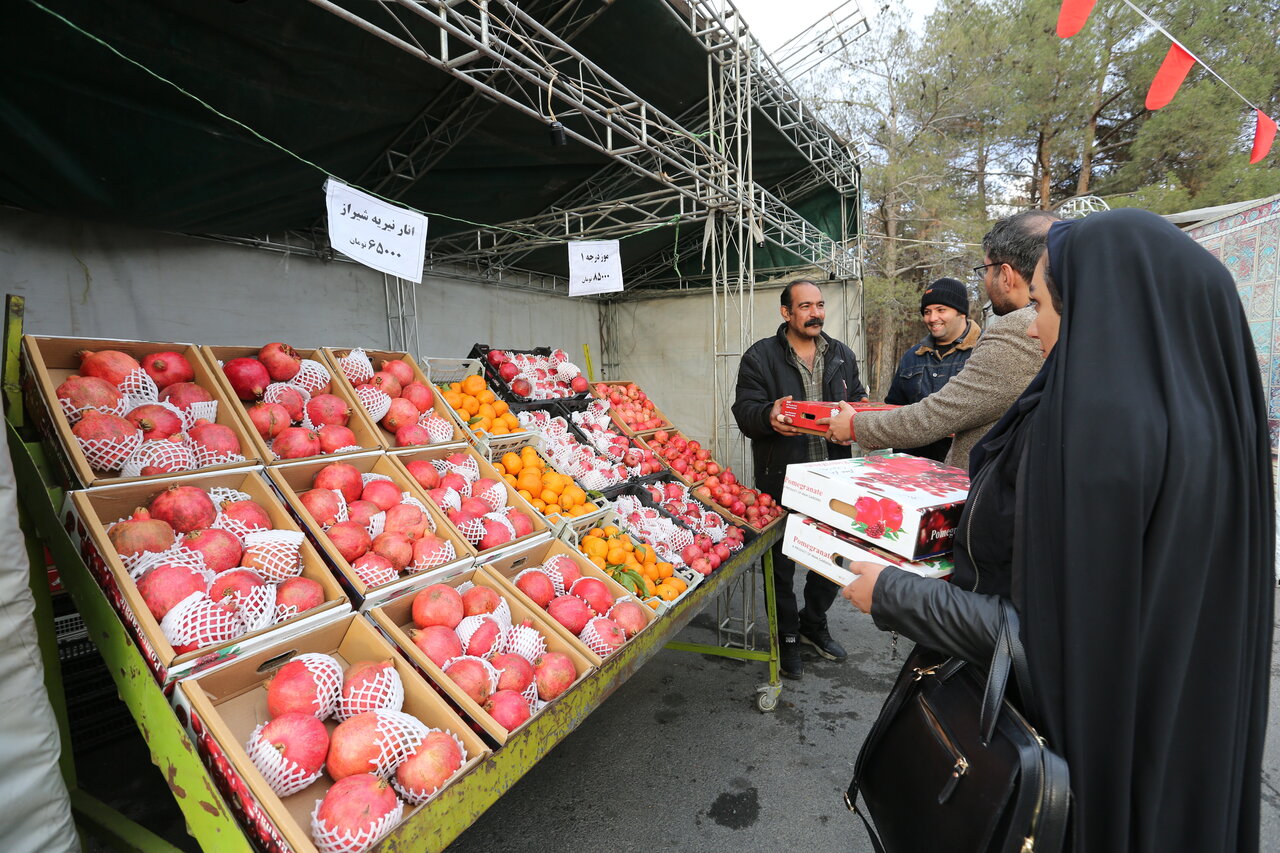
(901,503)
(829,552)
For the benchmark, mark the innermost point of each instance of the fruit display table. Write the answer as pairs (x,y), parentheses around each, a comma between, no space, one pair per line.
(208,816)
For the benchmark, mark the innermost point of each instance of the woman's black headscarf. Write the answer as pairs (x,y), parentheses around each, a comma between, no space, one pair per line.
(1143,558)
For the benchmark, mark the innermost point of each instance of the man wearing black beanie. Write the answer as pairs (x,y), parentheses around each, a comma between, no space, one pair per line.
(944,306)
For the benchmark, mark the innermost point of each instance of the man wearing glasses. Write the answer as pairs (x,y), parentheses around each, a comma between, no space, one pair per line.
(1002,364)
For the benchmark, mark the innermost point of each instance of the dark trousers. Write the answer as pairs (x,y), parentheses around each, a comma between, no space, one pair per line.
(819,593)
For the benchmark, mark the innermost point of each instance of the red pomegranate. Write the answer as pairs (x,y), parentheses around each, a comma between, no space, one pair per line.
(401,413)
(216,439)
(247,376)
(301,593)
(396,547)
(300,738)
(334,437)
(398,368)
(508,709)
(571,612)
(374,569)
(248,513)
(384,493)
(166,585)
(166,368)
(356,806)
(480,600)
(595,593)
(387,382)
(328,409)
(514,671)
(88,392)
(420,395)
(407,520)
(432,763)
(295,688)
(107,364)
(291,399)
(424,473)
(495,534)
(520,521)
(183,394)
(438,604)
(185,508)
(351,539)
(608,632)
(412,435)
(538,586)
(296,443)
(554,673)
(484,638)
(220,549)
(269,419)
(281,361)
(431,550)
(630,617)
(362,512)
(230,588)
(323,504)
(155,421)
(341,476)
(437,642)
(472,677)
(354,746)
(140,533)
(98,426)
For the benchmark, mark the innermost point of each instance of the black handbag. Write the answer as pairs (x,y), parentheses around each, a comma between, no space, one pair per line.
(951,764)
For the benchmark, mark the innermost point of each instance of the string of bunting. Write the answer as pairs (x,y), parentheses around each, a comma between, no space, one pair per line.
(1178,62)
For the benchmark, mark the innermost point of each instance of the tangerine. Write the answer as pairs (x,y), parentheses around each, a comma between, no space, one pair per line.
(473,384)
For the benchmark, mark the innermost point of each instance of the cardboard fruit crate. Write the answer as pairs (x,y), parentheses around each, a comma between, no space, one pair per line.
(334,359)
(443,372)
(86,515)
(366,437)
(626,428)
(48,361)
(506,568)
(220,711)
(292,480)
(828,552)
(395,620)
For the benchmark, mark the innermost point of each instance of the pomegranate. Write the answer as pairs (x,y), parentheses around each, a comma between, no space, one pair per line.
(571,612)
(215,438)
(183,394)
(609,633)
(424,473)
(521,388)
(387,383)
(374,570)
(301,593)
(568,569)
(401,413)
(514,672)
(496,357)
(167,584)
(328,409)
(231,588)
(405,519)
(431,550)
(438,604)
(579,384)
(351,539)
(411,435)
(140,533)
(247,376)
(475,506)
(484,638)
(384,493)
(422,397)
(292,400)
(248,513)
(354,746)
(480,600)
(437,642)
(472,677)
(435,760)
(630,617)
(296,688)
(496,534)
(180,461)
(362,512)
(296,443)
(457,482)
(184,508)
(166,368)
(396,547)
(595,593)
(367,686)
(281,361)
(520,521)
(269,419)
(354,808)
(323,504)
(464,522)
(220,549)
(399,370)
(99,426)
(508,371)
(155,421)
(508,709)
(300,738)
(341,476)
(554,674)
(107,364)
(334,437)
(538,586)
(89,392)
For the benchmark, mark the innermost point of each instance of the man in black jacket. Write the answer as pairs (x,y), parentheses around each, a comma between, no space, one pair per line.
(799,362)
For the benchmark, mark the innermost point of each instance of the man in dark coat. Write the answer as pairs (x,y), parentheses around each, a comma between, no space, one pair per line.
(799,362)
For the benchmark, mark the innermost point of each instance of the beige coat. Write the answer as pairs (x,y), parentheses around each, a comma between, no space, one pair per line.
(1001,367)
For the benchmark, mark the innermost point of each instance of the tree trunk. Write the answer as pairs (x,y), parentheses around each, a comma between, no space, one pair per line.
(1044,167)
(980,166)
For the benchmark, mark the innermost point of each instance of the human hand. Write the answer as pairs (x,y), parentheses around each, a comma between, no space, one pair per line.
(781,423)
(840,427)
(860,590)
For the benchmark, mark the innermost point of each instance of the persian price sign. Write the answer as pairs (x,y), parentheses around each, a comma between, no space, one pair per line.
(381,236)
(595,266)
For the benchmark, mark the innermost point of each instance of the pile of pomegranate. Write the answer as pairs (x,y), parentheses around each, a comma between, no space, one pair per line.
(583,604)
(504,668)
(676,499)
(396,400)
(144,419)
(476,505)
(537,377)
(687,457)
(632,406)
(210,567)
(381,530)
(374,752)
(757,508)
(594,423)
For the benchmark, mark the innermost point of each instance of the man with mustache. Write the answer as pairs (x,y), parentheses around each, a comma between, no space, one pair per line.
(802,362)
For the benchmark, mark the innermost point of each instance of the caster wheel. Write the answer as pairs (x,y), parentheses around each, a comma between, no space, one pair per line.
(767,701)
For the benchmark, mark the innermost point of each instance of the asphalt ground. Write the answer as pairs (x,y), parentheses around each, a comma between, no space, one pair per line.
(678,758)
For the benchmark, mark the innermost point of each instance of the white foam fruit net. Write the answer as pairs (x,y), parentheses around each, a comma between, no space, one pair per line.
(526,641)
(445,554)
(595,641)
(284,775)
(383,692)
(469,468)
(416,796)
(160,456)
(468,627)
(448,499)
(472,529)
(275,392)
(200,622)
(439,429)
(553,568)
(256,608)
(377,523)
(311,376)
(375,401)
(274,554)
(356,366)
(327,673)
(109,454)
(339,840)
(667,538)
(373,574)
(495,496)
(73,414)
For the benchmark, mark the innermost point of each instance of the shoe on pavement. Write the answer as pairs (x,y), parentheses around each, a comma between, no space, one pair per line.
(823,643)
(789,660)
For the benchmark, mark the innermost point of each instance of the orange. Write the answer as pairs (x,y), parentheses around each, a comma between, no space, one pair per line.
(470,404)
(455,386)
(501,407)
(499,429)
(666,592)
(653,603)
(454,399)
(595,532)
(599,561)
(548,496)
(511,481)
(589,506)
(665,570)
(537,504)
(616,556)
(473,384)
(511,461)
(610,530)
(486,396)
(529,481)
(511,420)
(484,409)
(649,586)
(526,494)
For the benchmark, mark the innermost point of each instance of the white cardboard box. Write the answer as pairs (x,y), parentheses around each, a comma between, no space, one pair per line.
(828,552)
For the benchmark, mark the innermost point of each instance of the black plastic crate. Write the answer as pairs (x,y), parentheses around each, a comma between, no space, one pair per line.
(500,386)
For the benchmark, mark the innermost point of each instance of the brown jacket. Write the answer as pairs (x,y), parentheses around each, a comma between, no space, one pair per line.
(1001,367)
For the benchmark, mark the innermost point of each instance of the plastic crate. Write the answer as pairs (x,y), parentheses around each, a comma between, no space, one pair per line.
(443,371)
(500,386)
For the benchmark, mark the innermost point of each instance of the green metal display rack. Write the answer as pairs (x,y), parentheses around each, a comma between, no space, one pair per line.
(209,819)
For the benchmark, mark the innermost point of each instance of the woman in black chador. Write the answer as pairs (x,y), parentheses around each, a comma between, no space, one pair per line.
(1124,504)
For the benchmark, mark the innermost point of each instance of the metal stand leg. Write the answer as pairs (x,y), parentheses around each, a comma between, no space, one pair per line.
(767,694)
(737,630)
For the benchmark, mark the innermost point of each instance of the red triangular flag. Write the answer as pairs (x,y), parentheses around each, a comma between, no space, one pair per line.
(1072,16)
(1177,62)
(1263,136)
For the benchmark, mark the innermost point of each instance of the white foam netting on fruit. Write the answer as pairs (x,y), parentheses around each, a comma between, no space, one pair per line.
(383,692)
(472,529)
(375,401)
(553,569)
(595,641)
(275,392)
(356,366)
(256,608)
(109,454)
(468,627)
(415,796)
(138,565)
(160,456)
(377,523)
(284,775)
(557,583)
(445,554)
(526,641)
(338,840)
(366,479)
(489,668)
(311,376)
(495,496)
(138,388)
(274,554)
(120,409)
(448,498)
(374,575)
(439,429)
(327,673)
(467,467)
(199,621)
(223,494)
(204,457)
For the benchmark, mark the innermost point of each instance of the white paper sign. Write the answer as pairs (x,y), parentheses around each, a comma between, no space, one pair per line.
(595,266)
(387,238)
